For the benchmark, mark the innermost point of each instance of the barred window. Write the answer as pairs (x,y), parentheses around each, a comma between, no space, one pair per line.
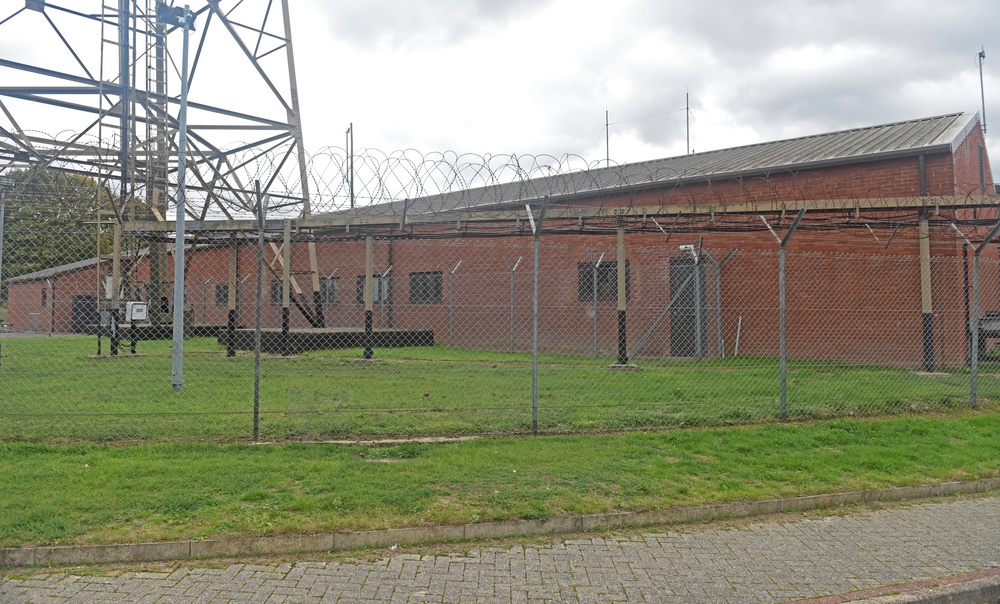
(426,288)
(380,289)
(222,294)
(607,281)
(329,290)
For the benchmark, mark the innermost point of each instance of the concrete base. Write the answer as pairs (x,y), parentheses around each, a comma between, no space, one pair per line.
(626,367)
(301,340)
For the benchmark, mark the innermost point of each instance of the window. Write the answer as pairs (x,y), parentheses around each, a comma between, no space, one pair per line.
(222,294)
(380,289)
(45,296)
(329,290)
(425,288)
(276,293)
(607,281)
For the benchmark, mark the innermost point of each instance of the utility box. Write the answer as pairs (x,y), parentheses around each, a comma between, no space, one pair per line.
(136,312)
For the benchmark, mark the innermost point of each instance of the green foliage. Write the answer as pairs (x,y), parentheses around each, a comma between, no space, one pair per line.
(46,221)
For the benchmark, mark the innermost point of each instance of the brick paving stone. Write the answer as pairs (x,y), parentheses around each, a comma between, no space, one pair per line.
(768,561)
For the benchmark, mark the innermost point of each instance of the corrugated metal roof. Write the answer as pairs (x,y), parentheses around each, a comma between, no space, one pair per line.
(941,133)
(55,271)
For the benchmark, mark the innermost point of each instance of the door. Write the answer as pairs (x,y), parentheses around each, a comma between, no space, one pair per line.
(84,313)
(687,338)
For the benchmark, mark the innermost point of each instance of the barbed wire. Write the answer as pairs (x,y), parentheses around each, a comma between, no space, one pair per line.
(372,182)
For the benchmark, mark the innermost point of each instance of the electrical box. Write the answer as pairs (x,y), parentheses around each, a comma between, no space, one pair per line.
(136,311)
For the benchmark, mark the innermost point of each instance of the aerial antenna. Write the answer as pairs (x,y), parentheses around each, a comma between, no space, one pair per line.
(979,61)
(349,149)
(607,140)
(687,117)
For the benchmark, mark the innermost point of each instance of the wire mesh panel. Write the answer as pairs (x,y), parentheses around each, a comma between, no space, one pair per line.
(447,340)
(870,348)
(367,334)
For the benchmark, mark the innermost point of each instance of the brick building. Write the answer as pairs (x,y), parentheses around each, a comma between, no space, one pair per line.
(876,272)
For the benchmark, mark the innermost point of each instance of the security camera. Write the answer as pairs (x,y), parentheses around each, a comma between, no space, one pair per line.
(689,249)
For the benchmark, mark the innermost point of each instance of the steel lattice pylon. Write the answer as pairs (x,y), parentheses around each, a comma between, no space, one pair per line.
(242,128)
(102,98)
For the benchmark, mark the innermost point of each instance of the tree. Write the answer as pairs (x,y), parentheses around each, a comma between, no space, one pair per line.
(50,221)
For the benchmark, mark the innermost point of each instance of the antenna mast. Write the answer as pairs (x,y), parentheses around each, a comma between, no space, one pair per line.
(607,140)
(979,61)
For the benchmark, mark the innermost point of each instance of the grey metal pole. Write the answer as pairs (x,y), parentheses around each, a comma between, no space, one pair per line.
(974,327)
(782,346)
(261,210)
(512,270)
(534,321)
(782,354)
(512,311)
(720,344)
(177,357)
(698,346)
(597,266)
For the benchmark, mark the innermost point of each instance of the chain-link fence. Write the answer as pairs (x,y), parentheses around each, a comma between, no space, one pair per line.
(447,332)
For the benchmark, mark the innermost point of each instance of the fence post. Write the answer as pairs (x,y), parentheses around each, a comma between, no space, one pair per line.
(782,331)
(261,210)
(537,232)
(512,269)
(451,304)
(369,305)
(699,346)
(597,266)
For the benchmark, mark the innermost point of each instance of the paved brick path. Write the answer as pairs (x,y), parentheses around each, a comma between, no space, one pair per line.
(761,562)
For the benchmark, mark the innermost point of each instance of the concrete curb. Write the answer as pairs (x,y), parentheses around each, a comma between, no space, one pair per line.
(980,591)
(263,546)
(978,587)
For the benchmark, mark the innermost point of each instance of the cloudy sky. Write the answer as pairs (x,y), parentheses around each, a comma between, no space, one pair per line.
(536,77)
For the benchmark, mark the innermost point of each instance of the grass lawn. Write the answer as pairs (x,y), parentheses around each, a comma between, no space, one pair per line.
(53,390)
(90,493)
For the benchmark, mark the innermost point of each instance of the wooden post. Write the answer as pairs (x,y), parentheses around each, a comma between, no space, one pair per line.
(286,279)
(234,252)
(116,276)
(926,303)
(369,293)
(622,334)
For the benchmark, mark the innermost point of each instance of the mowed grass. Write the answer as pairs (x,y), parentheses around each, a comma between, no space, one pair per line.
(106,494)
(54,390)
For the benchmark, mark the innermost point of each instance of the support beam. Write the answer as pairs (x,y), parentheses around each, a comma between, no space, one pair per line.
(622,295)
(116,280)
(926,302)
(369,281)
(234,254)
(286,279)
